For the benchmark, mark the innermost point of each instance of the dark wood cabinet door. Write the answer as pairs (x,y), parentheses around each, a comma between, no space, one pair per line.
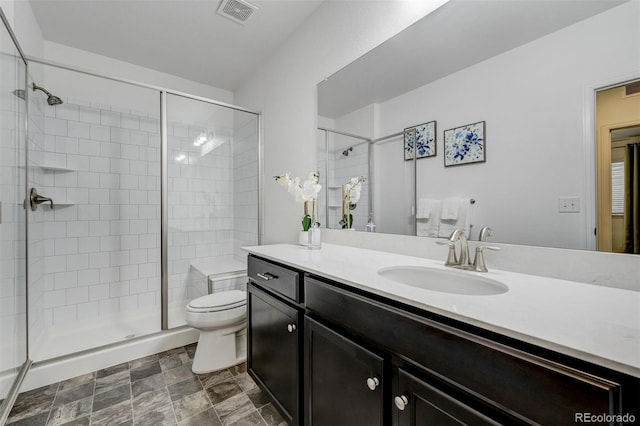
(417,403)
(273,350)
(344,381)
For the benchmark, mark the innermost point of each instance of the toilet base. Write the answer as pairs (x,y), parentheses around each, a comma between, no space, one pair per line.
(216,351)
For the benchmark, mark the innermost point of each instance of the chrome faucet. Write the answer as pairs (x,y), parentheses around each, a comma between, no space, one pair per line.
(484,233)
(462,262)
(452,259)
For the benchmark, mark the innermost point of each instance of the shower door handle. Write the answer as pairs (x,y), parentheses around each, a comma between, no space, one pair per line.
(35,199)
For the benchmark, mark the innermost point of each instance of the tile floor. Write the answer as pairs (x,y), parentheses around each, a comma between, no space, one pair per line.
(155,390)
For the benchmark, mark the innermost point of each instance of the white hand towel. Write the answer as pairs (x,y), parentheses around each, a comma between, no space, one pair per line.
(463,220)
(426,207)
(450,208)
(428,227)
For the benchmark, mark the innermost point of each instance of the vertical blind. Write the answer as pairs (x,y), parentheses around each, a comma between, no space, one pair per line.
(617,187)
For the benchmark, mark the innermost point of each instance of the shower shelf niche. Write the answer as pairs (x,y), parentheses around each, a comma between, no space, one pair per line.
(48,168)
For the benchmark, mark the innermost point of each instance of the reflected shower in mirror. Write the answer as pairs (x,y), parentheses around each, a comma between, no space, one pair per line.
(530,78)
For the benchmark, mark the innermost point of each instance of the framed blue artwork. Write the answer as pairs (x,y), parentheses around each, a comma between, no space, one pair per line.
(409,143)
(426,140)
(465,145)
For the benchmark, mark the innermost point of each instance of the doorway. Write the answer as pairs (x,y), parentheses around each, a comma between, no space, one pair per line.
(618,141)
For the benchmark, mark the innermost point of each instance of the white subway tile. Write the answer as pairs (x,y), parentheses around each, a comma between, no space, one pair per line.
(77,295)
(109,212)
(99,164)
(121,136)
(89,212)
(66,246)
(119,196)
(99,292)
(82,163)
(109,243)
(129,182)
(118,258)
(109,306)
(109,275)
(129,303)
(79,130)
(55,230)
(88,245)
(100,133)
(138,286)
(88,180)
(98,260)
(89,277)
(150,125)
(55,298)
(98,228)
(55,127)
(64,314)
(147,270)
(99,196)
(109,180)
(129,272)
(66,145)
(139,256)
(77,262)
(139,138)
(129,242)
(149,240)
(89,115)
(87,146)
(55,264)
(87,310)
(66,180)
(131,152)
(78,229)
(119,289)
(110,118)
(129,211)
(119,166)
(131,122)
(147,299)
(65,280)
(110,149)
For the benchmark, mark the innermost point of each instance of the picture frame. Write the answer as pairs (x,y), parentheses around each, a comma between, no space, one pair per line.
(425,140)
(465,144)
(409,143)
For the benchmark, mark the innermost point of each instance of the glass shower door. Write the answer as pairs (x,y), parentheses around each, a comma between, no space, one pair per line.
(13,327)
(212,197)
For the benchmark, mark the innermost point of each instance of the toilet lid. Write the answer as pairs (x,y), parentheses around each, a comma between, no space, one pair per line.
(220,301)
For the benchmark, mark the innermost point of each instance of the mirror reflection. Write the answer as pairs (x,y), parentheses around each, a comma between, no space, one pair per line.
(536,168)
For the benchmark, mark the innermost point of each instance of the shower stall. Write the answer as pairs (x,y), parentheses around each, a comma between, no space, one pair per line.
(145,197)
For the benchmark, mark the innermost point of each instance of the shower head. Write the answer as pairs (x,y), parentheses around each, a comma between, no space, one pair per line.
(346,151)
(51,99)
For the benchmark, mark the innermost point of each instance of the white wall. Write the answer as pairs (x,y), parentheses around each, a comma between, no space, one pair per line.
(532,101)
(284,89)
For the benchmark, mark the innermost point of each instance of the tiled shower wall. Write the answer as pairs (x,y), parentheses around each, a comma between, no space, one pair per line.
(100,247)
(341,169)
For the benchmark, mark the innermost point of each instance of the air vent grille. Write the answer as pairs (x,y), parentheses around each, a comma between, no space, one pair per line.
(237,10)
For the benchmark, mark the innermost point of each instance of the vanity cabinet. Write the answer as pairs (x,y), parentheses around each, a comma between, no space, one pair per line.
(327,353)
(274,334)
(343,379)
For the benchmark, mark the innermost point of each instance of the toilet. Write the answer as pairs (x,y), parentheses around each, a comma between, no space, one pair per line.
(220,317)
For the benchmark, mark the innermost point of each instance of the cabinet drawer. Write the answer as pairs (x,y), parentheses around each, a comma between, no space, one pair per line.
(282,280)
(528,387)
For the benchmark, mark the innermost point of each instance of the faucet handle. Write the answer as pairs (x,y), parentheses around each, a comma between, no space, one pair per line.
(451,257)
(479,264)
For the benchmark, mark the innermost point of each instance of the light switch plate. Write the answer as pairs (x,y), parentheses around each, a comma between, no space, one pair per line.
(569,204)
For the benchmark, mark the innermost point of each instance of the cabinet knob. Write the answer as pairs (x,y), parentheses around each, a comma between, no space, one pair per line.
(372,383)
(401,402)
(291,328)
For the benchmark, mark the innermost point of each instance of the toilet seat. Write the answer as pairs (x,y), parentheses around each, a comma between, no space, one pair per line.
(215,302)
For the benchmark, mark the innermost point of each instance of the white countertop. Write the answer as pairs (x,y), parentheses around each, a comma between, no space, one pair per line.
(593,323)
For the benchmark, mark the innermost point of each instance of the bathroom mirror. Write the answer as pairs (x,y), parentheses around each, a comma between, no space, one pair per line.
(528,71)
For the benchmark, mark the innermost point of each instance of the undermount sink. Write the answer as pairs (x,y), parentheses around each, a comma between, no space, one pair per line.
(445,281)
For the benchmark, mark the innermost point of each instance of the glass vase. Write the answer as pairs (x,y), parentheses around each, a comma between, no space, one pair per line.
(315,234)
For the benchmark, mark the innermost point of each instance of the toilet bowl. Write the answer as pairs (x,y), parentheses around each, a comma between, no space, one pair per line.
(219,317)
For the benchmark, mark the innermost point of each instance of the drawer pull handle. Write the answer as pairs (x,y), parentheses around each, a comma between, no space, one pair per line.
(373,383)
(266,276)
(401,402)
(291,328)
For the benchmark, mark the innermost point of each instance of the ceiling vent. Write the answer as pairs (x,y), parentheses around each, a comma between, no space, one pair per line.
(237,10)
